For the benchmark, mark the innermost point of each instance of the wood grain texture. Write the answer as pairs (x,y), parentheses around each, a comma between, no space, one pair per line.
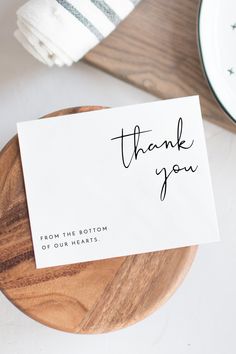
(91,297)
(156,49)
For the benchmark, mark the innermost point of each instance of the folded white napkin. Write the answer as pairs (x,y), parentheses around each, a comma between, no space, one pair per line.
(62,31)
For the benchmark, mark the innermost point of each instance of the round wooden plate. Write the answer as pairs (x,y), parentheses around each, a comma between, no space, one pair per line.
(91,297)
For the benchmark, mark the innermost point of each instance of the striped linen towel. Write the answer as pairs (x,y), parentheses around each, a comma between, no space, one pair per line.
(60,32)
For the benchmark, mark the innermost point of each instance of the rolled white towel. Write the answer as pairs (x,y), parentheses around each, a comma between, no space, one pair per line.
(62,31)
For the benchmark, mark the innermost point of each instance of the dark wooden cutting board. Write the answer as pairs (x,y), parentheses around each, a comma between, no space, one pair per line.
(156,49)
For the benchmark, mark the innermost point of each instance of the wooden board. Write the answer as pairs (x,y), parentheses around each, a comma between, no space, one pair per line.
(155,48)
(91,297)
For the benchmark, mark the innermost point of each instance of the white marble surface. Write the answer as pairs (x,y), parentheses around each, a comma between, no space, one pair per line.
(201,316)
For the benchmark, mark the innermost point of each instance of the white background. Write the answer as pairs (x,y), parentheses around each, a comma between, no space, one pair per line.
(201,317)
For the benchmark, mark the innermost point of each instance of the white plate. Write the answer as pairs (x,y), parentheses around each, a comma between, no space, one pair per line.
(217,44)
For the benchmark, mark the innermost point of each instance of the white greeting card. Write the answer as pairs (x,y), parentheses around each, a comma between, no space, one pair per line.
(118,181)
